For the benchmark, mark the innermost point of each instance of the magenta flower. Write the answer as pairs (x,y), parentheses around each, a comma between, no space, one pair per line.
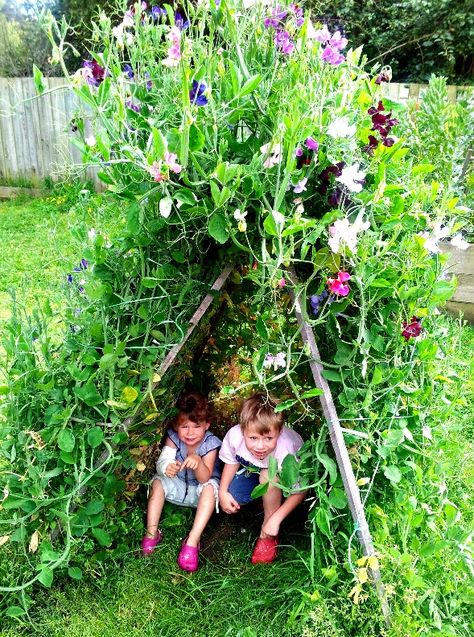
(312,144)
(337,286)
(299,152)
(332,56)
(412,329)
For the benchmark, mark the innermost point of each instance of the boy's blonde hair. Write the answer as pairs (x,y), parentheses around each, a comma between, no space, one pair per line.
(258,412)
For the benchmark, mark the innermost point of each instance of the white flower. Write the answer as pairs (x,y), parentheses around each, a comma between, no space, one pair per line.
(430,243)
(345,233)
(240,217)
(274,157)
(90,140)
(340,128)
(278,217)
(91,234)
(165,207)
(351,177)
(277,361)
(458,242)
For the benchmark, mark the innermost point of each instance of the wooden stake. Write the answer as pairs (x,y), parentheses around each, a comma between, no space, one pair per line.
(339,446)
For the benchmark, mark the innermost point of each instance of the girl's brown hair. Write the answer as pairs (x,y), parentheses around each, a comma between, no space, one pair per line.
(194,407)
(258,412)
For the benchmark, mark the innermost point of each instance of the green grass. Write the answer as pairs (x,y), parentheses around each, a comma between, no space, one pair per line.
(129,596)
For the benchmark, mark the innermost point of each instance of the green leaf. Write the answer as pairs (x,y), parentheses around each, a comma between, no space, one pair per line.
(433,547)
(337,499)
(272,467)
(216,194)
(4,390)
(38,79)
(250,85)
(66,440)
(312,393)
(94,506)
(95,437)
(159,144)
(149,282)
(331,467)
(261,328)
(46,577)
(102,536)
(218,228)
(422,169)
(196,139)
(377,376)
(259,490)
(443,290)
(393,473)
(74,572)
(323,522)
(330,374)
(107,361)
(289,471)
(15,611)
(286,404)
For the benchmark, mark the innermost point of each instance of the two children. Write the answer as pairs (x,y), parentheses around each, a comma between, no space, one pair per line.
(188,473)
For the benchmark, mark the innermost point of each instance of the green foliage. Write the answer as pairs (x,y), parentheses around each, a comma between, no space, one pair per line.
(415,37)
(200,186)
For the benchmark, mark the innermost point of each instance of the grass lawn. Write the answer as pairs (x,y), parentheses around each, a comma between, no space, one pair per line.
(128,596)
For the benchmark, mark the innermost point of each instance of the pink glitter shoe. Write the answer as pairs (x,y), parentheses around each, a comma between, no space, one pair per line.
(188,558)
(150,543)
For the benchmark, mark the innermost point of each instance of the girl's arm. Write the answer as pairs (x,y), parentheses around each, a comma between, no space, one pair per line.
(202,466)
(166,464)
(227,501)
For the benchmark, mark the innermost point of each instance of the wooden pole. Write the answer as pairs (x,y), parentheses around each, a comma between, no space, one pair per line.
(337,440)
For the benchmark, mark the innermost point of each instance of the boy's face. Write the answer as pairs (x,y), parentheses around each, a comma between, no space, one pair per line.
(260,445)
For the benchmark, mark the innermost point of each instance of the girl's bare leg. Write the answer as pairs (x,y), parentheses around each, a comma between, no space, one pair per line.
(156,502)
(204,511)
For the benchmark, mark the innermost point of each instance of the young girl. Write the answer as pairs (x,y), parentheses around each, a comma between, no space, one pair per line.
(187,474)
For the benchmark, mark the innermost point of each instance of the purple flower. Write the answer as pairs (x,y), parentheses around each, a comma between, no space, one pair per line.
(196,94)
(299,152)
(276,19)
(412,329)
(132,106)
(127,69)
(311,143)
(84,264)
(69,278)
(149,83)
(332,56)
(157,12)
(298,14)
(180,21)
(384,76)
(317,299)
(284,42)
(300,186)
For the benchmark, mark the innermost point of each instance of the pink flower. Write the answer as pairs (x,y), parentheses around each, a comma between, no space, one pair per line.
(336,286)
(155,171)
(174,52)
(282,283)
(170,161)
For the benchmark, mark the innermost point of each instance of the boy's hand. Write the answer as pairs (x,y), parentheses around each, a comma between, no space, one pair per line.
(191,462)
(228,503)
(271,527)
(172,469)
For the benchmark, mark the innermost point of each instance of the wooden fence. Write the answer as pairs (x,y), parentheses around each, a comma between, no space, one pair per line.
(35,135)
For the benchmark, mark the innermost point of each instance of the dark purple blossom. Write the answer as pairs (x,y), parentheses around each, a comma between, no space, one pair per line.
(196,94)
(316,300)
(384,76)
(127,69)
(382,124)
(180,21)
(412,329)
(69,278)
(93,73)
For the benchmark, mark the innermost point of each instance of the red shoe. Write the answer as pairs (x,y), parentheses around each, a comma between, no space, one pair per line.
(188,558)
(265,550)
(150,543)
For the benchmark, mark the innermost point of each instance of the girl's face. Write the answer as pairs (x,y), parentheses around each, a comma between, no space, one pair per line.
(261,445)
(191,433)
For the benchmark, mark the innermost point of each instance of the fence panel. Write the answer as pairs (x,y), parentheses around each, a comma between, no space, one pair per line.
(35,137)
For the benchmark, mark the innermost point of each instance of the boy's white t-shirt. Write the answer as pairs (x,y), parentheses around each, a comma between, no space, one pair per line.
(234,449)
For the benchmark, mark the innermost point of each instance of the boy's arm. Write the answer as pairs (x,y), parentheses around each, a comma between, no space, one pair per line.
(272,525)
(227,501)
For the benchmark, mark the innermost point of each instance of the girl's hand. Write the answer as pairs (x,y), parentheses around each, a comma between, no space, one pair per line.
(191,462)
(228,503)
(172,469)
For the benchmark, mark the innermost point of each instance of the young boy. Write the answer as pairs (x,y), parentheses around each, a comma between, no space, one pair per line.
(245,451)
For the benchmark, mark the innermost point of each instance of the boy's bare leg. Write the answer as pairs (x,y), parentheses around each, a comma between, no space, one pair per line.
(271,503)
(271,525)
(204,510)
(156,502)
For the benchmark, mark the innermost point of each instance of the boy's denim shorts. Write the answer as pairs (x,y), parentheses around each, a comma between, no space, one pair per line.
(242,485)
